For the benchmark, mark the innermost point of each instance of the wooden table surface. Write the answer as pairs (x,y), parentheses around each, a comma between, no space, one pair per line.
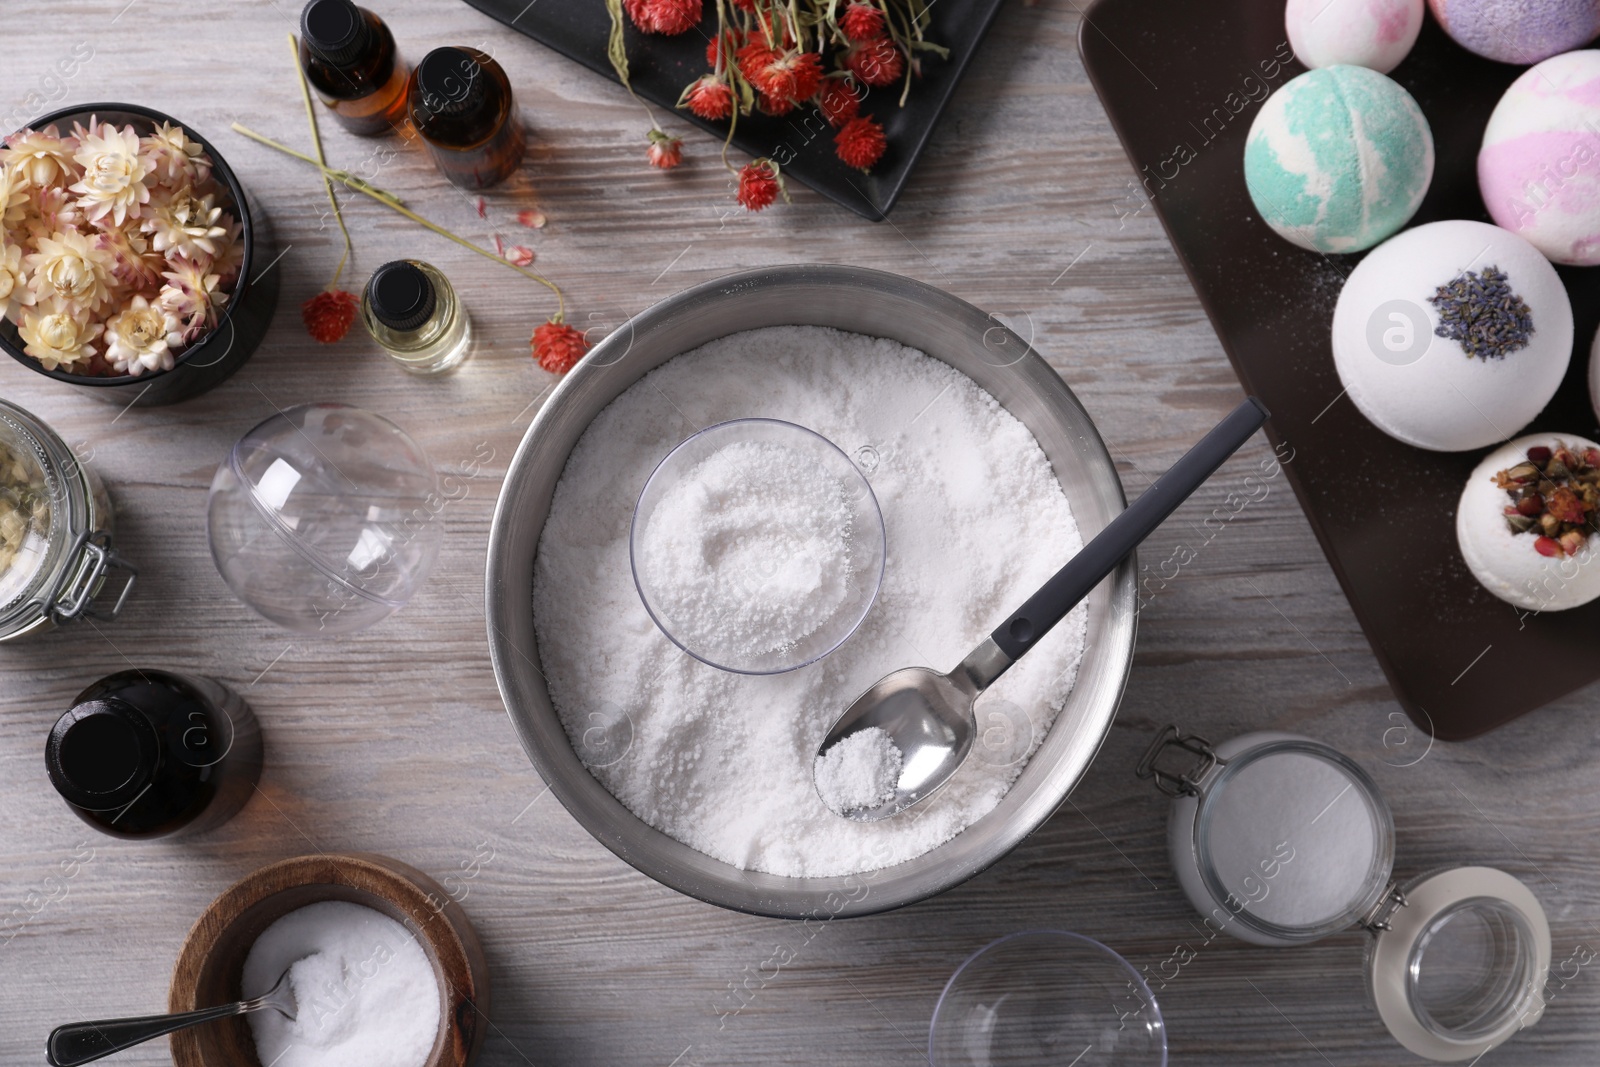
(395,740)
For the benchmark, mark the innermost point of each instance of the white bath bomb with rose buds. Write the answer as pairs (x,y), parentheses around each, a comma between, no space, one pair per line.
(1539,167)
(1502,529)
(1376,34)
(1453,335)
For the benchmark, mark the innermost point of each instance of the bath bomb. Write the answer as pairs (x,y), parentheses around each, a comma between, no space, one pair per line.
(1376,34)
(1519,31)
(1453,335)
(1524,522)
(1594,374)
(1338,159)
(1539,167)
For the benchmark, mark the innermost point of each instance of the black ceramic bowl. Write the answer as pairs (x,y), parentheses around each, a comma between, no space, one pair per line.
(213,359)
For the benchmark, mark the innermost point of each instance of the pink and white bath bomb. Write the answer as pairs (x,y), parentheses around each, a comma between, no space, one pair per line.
(1539,168)
(1376,34)
(1519,31)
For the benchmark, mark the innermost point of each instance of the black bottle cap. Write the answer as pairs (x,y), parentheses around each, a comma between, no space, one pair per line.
(401,295)
(335,30)
(102,754)
(451,81)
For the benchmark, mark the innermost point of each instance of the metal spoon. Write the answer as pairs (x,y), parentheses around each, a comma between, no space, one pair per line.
(929,716)
(78,1043)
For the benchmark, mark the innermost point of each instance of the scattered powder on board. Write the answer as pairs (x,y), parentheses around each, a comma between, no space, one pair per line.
(861,770)
(750,552)
(365,993)
(975,522)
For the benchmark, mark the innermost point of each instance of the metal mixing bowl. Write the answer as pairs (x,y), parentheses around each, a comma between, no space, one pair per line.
(863,301)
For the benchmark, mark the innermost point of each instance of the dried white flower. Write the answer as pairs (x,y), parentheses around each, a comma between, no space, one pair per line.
(192,297)
(173,158)
(14,291)
(13,198)
(136,338)
(42,157)
(57,335)
(69,267)
(134,266)
(181,224)
(113,172)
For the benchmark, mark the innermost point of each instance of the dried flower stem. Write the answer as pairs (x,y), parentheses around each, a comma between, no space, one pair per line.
(393,203)
(316,142)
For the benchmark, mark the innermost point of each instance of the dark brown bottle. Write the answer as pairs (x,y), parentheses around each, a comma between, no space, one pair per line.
(148,753)
(461,104)
(350,59)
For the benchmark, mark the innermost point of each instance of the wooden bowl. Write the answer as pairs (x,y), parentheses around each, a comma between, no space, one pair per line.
(210,967)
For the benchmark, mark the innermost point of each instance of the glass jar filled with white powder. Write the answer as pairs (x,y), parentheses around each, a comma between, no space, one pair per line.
(1281,840)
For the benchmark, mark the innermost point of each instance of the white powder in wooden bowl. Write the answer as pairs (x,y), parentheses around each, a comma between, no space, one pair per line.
(975,522)
(365,992)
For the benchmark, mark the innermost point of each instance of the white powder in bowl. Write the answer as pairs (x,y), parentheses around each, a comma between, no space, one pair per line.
(975,522)
(749,552)
(861,770)
(365,993)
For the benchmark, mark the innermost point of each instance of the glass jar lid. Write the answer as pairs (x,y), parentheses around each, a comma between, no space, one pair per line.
(1459,962)
(1294,839)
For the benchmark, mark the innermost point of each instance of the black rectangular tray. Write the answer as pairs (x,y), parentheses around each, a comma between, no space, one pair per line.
(1181,81)
(660,67)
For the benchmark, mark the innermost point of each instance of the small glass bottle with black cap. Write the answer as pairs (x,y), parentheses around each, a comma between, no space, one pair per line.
(411,310)
(148,753)
(461,104)
(351,60)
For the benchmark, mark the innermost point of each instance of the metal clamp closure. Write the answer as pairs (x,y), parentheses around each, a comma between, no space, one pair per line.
(74,591)
(1392,900)
(1178,783)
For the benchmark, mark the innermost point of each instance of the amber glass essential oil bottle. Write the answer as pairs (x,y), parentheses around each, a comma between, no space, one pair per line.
(461,104)
(350,59)
(147,753)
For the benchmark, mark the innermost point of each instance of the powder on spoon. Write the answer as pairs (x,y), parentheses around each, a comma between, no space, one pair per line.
(861,770)
(365,992)
(975,521)
(749,553)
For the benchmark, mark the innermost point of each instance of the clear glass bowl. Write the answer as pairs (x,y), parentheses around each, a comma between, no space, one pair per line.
(732,588)
(1045,998)
(324,518)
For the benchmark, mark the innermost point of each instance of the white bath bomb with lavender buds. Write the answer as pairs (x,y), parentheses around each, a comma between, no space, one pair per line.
(1453,335)
(1376,34)
(1499,528)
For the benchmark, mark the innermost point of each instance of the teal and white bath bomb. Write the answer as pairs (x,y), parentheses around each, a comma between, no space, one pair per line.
(1338,159)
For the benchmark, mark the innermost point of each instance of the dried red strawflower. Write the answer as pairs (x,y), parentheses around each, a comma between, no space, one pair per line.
(557,346)
(838,101)
(759,184)
(713,53)
(875,61)
(708,97)
(795,76)
(669,17)
(665,151)
(330,314)
(860,143)
(774,105)
(861,21)
(755,59)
